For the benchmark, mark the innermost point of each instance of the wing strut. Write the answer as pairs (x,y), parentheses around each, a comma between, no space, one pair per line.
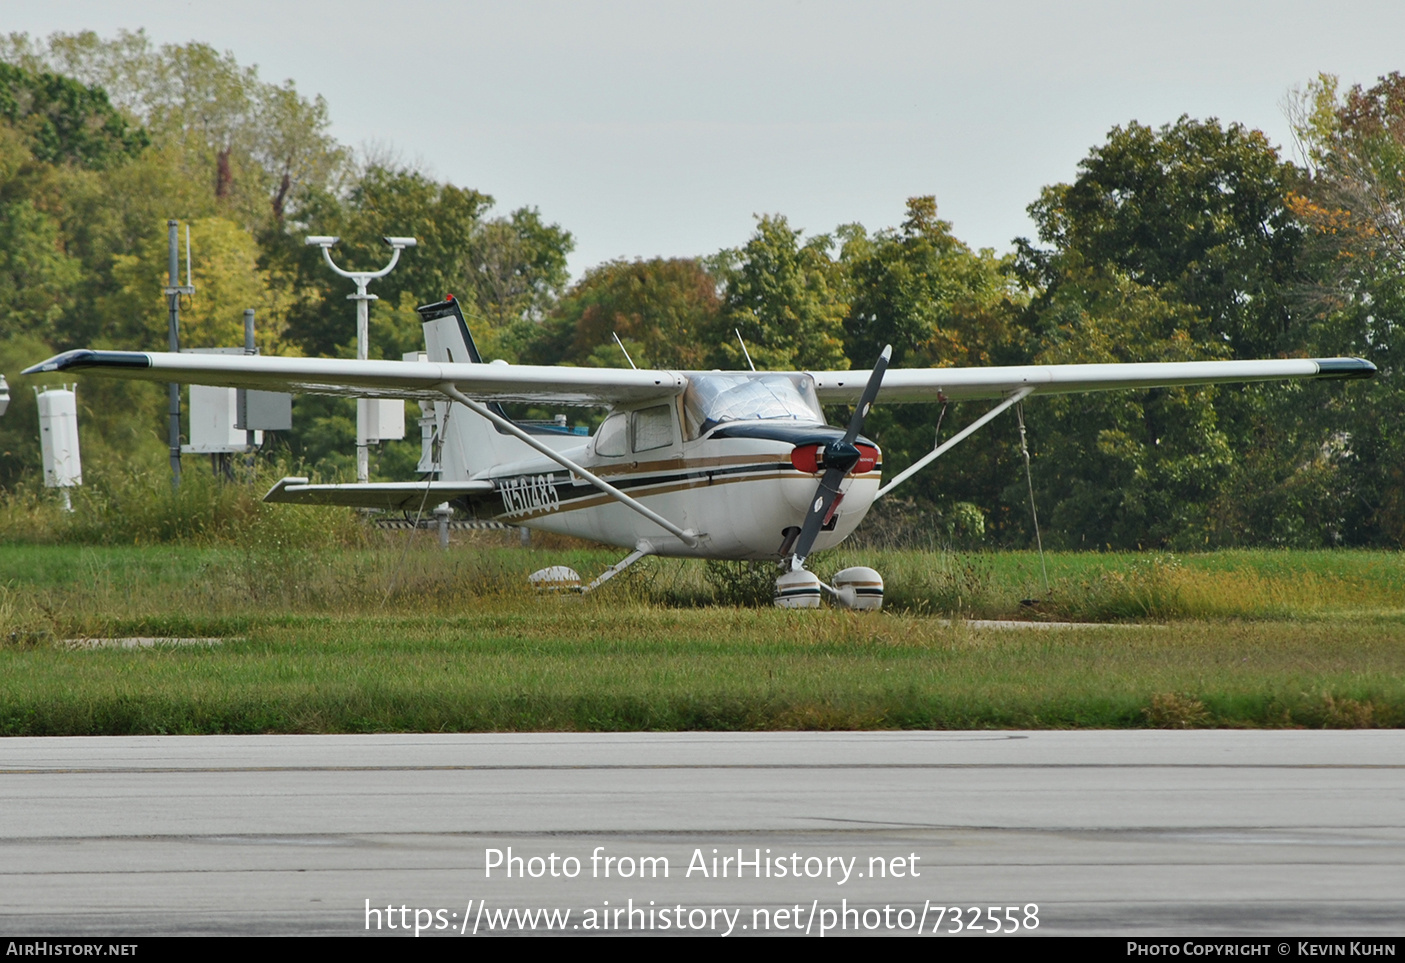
(953,441)
(689,537)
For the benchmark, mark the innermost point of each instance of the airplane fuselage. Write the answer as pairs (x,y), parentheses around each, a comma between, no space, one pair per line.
(739,494)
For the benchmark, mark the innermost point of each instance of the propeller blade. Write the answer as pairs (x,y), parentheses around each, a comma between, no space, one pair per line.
(845,456)
(870,392)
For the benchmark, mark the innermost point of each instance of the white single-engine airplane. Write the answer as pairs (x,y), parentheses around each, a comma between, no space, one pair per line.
(701,464)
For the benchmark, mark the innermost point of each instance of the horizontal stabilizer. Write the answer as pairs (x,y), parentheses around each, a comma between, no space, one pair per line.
(393,496)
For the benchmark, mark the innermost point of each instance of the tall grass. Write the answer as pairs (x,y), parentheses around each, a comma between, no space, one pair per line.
(140,507)
(310,559)
(398,635)
(1094,587)
(598,665)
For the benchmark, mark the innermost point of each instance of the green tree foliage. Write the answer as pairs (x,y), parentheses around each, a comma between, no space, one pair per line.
(37,276)
(1354,144)
(517,266)
(939,304)
(1353,205)
(1125,468)
(64,121)
(1195,210)
(926,293)
(258,147)
(786,299)
(444,219)
(665,310)
(227,280)
(1181,243)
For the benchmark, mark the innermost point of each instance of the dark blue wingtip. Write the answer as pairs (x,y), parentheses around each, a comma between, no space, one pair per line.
(87,358)
(1343,369)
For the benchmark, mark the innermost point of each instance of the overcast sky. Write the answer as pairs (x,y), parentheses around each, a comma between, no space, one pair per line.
(661,128)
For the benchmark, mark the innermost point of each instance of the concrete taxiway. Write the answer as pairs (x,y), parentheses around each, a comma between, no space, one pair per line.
(1126,833)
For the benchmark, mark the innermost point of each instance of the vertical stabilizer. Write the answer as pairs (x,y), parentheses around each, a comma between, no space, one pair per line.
(470,443)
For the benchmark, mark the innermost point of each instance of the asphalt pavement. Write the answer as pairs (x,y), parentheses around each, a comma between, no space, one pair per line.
(1138,833)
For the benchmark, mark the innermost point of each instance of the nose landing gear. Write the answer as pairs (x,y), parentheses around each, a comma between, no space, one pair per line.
(858,587)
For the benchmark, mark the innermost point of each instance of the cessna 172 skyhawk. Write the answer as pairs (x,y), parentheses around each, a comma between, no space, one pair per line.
(703,464)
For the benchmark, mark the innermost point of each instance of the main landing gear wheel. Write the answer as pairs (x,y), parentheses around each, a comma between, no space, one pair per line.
(556,579)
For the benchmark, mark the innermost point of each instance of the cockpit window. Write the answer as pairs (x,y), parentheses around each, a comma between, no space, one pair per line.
(653,428)
(612,438)
(719,396)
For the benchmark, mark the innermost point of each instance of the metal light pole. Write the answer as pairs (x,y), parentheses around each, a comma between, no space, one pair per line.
(174,290)
(249,349)
(398,244)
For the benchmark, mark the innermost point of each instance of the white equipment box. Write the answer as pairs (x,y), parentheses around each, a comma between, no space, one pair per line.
(213,413)
(383,418)
(58,436)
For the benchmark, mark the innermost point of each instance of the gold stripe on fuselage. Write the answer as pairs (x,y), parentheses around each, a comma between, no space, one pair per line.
(665,488)
(684,464)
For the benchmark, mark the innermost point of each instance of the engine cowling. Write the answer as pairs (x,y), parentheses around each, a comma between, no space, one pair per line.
(811,458)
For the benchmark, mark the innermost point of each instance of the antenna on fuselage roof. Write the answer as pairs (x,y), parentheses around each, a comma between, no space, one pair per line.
(738,332)
(625,350)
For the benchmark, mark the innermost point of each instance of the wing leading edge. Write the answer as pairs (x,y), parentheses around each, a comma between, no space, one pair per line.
(967,384)
(387,379)
(610,386)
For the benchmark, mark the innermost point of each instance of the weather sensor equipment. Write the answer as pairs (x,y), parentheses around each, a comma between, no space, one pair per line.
(58,437)
(376,419)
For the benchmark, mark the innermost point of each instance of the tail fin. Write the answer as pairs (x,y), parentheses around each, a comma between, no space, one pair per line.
(446,334)
(469,442)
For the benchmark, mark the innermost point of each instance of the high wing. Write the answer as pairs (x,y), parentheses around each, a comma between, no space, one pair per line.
(391,496)
(610,386)
(383,379)
(967,384)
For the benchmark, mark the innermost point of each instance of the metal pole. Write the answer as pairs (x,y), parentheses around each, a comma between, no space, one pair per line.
(441,515)
(174,393)
(248,349)
(397,244)
(363,405)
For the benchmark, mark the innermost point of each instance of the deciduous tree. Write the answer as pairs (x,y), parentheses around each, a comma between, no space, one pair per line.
(786,299)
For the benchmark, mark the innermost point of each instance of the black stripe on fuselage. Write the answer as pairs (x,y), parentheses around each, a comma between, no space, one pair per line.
(568,491)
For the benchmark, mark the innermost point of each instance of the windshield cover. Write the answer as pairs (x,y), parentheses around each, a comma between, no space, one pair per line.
(719,396)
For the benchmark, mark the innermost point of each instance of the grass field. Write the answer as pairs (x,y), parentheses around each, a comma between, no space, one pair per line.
(403,637)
